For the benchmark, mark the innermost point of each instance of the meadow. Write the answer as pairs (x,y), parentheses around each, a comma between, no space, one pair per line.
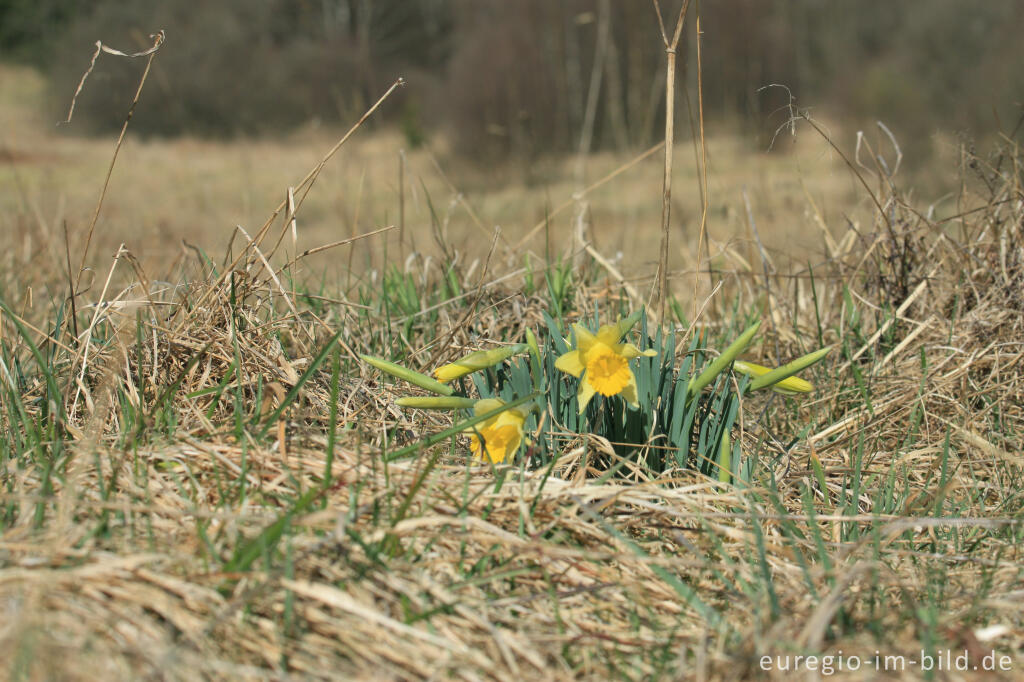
(203,478)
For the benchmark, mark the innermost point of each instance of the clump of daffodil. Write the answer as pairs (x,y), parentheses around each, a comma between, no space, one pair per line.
(498,438)
(481,359)
(601,362)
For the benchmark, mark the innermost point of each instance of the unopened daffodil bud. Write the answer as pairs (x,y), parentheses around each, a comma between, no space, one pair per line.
(719,364)
(481,359)
(788,386)
(725,458)
(413,377)
(781,379)
(531,341)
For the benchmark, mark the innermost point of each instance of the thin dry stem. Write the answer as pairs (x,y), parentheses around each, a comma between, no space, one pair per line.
(666,199)
(158,40)
(703,162)
(305,184)
(587,190)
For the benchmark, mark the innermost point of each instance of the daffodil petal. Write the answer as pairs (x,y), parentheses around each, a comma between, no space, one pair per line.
(624,325)
(499,437)
(570,363)
(584,339)
(499,442)
(487,405)
(749,368)
(793,386)
(512,417)
(629,392)
(447,373)
(584,394)
(630,351)
(609,335)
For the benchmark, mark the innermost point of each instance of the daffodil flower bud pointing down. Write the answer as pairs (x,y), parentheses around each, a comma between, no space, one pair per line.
(601,362)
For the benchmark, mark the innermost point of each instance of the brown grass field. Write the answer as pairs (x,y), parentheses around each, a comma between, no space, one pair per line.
(163,192)
(201,479)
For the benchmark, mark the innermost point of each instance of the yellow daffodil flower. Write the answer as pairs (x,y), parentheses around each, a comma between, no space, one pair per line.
(788,386)
(603,362)
(499,437)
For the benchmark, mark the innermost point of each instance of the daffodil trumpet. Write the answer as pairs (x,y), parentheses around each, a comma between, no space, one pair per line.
(497,438)
(481,359)
(413,377)
(601,362)
(462,427)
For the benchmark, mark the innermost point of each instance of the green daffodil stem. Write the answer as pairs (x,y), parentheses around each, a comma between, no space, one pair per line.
(415,378)
(789,369)
(698,383)
(437,402)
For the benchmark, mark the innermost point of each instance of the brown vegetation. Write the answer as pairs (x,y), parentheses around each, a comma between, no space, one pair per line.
(200,480)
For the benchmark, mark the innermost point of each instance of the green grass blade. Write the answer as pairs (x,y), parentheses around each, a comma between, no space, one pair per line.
(289,397)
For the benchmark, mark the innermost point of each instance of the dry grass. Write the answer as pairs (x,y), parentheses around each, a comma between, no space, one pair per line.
(217,501)
(163,192)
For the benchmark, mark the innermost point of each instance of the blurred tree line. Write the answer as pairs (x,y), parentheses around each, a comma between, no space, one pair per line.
(528,76)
